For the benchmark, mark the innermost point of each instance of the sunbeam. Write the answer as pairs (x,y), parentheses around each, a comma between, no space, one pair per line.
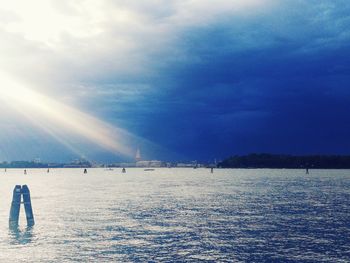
(56,118)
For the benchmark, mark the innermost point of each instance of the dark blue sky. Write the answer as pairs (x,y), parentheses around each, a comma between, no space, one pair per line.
(249,87)
(204,82)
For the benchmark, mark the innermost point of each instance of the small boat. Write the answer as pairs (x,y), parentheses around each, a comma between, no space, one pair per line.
(148,169)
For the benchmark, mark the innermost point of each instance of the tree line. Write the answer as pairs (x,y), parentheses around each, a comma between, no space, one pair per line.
(265,160)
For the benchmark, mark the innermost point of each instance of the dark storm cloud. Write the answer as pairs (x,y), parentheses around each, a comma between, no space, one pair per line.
(274,83)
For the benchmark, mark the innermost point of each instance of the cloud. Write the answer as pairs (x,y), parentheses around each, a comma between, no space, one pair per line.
(182,61)
(92,40)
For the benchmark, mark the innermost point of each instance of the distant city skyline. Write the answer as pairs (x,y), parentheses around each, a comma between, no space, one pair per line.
(181,80)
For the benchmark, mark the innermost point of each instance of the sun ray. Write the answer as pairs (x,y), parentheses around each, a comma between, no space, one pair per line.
(50,114)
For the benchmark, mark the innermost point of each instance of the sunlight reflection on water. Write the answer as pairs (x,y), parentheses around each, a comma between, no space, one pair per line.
(179,215)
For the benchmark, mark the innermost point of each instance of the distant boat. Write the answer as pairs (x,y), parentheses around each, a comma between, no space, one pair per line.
(148,169)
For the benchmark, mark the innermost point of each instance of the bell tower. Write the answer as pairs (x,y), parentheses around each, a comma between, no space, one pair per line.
(138,155)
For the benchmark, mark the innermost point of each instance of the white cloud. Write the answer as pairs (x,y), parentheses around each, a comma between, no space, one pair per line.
(58,41)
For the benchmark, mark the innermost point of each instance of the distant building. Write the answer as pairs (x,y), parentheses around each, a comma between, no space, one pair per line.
(193,164)
(78,163)
(37,160)
(138,155)
(185,165)
(123,165)
(153,163)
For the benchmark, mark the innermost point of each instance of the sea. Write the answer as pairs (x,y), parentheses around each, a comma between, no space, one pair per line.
(178,215)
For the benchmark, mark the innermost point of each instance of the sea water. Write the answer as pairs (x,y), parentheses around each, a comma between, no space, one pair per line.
(179,215)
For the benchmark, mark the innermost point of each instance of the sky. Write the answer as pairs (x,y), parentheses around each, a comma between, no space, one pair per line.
(181,80)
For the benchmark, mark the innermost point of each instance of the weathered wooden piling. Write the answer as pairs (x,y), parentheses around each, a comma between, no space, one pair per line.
(15,206)
(20,192)
(28,205)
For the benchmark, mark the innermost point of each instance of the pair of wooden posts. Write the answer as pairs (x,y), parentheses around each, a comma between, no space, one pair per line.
(19,193)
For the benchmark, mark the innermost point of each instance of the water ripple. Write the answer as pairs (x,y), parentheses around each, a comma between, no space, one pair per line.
(177,215)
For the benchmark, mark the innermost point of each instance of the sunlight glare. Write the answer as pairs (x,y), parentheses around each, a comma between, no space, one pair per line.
(52,113)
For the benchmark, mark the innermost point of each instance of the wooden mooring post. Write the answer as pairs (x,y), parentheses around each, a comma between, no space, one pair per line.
(21,193)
